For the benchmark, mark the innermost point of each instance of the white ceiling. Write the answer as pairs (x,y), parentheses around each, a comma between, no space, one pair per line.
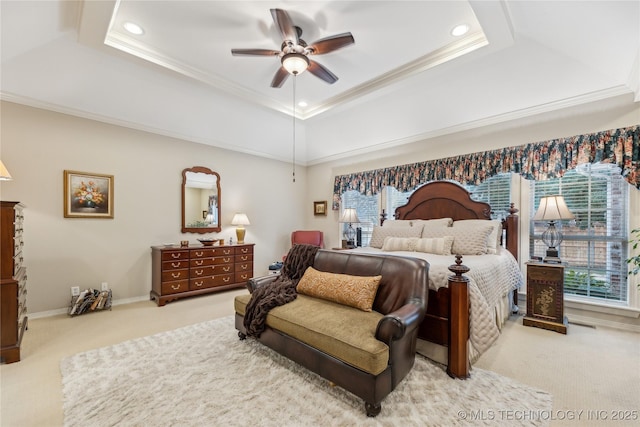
(406,78)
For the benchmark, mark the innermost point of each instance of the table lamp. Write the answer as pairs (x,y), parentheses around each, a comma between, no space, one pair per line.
(240,220)
(349,216)
(552,209)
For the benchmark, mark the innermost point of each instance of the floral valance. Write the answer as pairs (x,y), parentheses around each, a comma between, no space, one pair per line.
(536,161)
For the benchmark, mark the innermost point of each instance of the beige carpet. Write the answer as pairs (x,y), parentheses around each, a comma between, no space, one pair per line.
(204,375)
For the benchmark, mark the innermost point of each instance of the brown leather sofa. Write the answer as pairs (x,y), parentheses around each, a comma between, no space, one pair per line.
(391,328)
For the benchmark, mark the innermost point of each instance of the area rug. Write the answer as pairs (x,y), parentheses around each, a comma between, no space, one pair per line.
(203,375)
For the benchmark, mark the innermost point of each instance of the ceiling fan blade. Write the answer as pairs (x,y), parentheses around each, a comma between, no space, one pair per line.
(329,44)
(254,52)
(280,77)
(322,72)
(282,20)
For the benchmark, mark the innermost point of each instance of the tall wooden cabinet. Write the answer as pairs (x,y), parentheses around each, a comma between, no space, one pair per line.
(13,282)
(179,272)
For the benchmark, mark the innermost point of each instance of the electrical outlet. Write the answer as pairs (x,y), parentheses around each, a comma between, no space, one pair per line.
(75,291)
(105,286)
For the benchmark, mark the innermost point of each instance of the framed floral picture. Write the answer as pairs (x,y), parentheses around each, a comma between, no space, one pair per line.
(88,195)
(320,208)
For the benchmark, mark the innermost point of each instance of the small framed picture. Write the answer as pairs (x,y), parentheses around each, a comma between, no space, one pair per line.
(320,208)
(88,195)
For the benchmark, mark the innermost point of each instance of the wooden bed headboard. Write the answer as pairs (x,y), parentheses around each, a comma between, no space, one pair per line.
(444,199)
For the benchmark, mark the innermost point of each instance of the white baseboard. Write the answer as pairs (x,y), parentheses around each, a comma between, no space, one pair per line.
(49,313)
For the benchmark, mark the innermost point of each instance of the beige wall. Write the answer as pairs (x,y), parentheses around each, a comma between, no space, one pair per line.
(37,146)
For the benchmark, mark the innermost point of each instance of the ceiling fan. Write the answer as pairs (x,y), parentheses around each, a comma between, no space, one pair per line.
(294,52)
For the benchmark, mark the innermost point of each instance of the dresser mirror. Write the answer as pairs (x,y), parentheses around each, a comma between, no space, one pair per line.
(200,200)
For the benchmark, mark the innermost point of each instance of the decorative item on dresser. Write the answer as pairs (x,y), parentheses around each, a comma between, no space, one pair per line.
(545,297)
(13,282)
(179,272)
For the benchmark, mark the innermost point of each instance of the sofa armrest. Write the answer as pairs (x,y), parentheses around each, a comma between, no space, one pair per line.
(258,282)
(399,323)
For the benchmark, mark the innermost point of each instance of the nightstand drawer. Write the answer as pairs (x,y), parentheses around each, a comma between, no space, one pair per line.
(551,274)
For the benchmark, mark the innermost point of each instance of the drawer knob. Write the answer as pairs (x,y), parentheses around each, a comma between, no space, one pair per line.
(199,261)
(225,279)
(175,287)
(175,255)
(226,269)
(226,259)
(175,264)
(175,275)
(199,283)
(199,253)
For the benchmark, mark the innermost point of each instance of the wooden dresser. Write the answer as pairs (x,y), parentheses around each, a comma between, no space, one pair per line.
(13,282)
(179,272)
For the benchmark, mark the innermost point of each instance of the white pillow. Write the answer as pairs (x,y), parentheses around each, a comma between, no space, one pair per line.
(493,241)
(445,222)
(379,234)
(466,240)
(397,223)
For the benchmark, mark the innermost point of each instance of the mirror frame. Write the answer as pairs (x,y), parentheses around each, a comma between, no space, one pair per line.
(201,230)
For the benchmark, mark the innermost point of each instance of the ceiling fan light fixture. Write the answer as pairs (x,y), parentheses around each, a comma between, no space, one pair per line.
(133,28)
(295,63)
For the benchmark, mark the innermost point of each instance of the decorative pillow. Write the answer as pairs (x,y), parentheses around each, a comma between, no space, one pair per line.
(466,240)
(493,241)
(397,223)
(417,222)
(379,234)
(435,245)
(445,222)
(354,291)
(400,244)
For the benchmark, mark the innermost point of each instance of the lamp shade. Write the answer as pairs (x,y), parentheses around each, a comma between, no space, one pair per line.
(349,215)
(240,219)
(4,173)
(295,63)
(552,208)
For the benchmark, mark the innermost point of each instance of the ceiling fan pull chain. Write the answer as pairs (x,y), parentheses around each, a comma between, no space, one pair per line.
(294,127)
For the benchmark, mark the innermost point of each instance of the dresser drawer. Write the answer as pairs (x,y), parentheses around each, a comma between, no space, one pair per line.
(201,253)
(244,250)
(544,274)
(222,269)
(223,260)
(175,287)
(173,275)
(201,283)
(223,251)
(175,255)
(244,258)
(175,265)
(242,277)
(200,272)
(200,262)
(244,267)
(223,279)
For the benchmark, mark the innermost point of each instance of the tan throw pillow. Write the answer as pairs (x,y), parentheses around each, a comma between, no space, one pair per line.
(380,233)
(354,291)
(435,245)
(493,241)
(466,241)
(400,244)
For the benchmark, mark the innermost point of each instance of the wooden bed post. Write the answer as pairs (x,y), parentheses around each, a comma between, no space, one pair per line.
(458,321)
(511,224)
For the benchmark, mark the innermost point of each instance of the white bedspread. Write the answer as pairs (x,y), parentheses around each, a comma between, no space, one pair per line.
(491,279)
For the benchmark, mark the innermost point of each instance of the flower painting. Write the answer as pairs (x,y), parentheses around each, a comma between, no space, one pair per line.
(88,195)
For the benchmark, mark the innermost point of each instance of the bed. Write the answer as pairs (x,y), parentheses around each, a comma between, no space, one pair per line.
(465,312)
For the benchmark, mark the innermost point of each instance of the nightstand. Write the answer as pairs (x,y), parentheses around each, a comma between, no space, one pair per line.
(545,297)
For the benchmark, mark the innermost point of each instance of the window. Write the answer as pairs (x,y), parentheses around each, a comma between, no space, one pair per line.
(595,243)
(496,191)
(367,210)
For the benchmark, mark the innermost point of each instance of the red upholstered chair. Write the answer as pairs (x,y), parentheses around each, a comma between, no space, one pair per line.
(309,237)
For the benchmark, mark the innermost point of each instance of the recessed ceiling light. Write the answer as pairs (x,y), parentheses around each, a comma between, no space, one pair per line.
(460,30)
(133,28)
(302,104)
